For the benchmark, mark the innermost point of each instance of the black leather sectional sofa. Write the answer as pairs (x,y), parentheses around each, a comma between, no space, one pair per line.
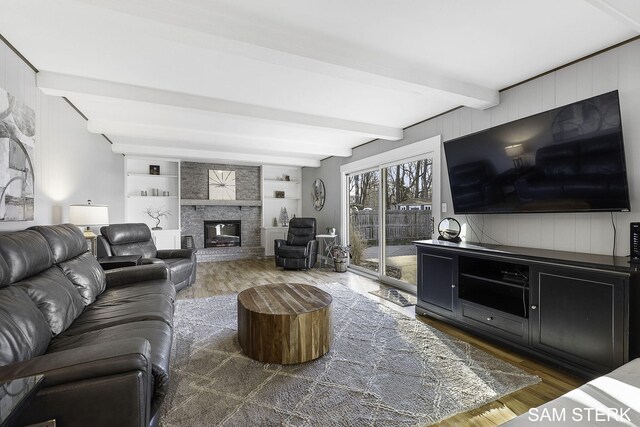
(102,340)
(581,170)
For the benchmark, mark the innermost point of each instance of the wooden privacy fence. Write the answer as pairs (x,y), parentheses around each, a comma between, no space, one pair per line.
(402,226)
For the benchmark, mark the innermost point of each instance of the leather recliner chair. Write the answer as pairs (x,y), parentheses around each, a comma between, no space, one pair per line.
(300,250)
(135,239)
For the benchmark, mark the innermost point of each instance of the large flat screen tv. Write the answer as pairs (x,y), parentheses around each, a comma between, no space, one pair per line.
(569,159)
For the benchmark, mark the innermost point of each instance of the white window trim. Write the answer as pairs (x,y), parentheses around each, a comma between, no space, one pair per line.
(408,152)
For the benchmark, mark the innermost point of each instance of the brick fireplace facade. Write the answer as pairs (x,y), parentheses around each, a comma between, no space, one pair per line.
(194,185)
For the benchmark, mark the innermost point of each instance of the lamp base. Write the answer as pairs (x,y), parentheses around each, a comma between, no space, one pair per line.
(88,234)
(518,162)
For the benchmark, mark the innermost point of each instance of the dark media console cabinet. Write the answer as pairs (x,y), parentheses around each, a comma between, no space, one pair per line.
(577,311)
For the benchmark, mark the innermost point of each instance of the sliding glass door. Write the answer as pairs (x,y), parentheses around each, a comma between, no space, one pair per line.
(408,202)
(387,207)
(364,219)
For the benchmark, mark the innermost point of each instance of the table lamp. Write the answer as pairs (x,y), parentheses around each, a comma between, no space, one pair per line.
(515,151)
(89,215)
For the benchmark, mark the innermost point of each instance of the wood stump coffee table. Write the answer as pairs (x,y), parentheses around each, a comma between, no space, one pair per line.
(284,323)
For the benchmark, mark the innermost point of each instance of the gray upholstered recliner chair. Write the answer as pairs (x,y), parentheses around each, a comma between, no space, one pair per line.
(121,240)
(300,250)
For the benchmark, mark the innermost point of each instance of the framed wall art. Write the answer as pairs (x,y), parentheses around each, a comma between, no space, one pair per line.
(318,194)
(17,154)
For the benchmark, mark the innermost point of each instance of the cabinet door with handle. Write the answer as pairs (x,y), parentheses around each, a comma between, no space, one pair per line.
(579,316)
(437,284)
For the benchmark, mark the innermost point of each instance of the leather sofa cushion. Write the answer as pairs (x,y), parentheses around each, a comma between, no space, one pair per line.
(147,261)
(25,253)
(66,241)
(601,164)
(179,268)
(104,314)
(55,296)
(295,252)
(140,289)
(159,335)
(23,331)
(86,275)
(145,249)
(130,239)
(4,273)
(301,231)
(118,234)
(558,160)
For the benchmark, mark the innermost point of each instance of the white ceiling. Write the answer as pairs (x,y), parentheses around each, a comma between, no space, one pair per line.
(293,81)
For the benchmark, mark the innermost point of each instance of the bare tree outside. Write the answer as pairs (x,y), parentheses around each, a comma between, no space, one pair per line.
(407,192)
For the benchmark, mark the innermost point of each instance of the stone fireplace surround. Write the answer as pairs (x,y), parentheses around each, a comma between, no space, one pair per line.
(194,185)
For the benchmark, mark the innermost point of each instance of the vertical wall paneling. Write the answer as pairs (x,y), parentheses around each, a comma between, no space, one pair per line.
(500,113)
(566,93)
(548,91)
(466,121)
(615,69)
(530,98)
(531,231)
(584,79)
(564,236)
(480,119)
(605,72)
(566,86)
(629,88)
(71,164)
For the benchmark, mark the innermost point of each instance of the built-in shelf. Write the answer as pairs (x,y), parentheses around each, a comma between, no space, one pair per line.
(280,180)
(495,281)
(138,180)
(153,197)
(199,202)
(146,175)
(281,198)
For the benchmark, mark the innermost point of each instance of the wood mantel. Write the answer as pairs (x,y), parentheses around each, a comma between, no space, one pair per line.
(203,202)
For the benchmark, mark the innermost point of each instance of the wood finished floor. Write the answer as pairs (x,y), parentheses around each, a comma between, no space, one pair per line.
(223,277)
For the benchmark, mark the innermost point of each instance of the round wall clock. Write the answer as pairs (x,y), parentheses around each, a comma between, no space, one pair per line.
(318,194)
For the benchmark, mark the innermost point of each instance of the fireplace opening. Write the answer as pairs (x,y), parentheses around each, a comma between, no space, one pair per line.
(221,233)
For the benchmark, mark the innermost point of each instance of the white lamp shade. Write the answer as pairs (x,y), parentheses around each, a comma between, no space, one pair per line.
(514,150)
(89,215)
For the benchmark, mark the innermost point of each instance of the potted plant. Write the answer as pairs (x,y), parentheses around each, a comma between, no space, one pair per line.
(340,255)
(157,215)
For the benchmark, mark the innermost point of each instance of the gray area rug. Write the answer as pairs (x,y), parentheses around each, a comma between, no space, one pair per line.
(383,369)
(398,297)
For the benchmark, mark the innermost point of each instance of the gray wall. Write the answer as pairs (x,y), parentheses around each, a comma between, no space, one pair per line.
(194,180)
(584,232)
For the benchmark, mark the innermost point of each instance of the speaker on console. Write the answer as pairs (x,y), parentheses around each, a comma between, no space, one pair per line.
(634,229)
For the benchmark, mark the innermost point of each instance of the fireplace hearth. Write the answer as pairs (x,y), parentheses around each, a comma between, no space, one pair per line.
(222,233)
